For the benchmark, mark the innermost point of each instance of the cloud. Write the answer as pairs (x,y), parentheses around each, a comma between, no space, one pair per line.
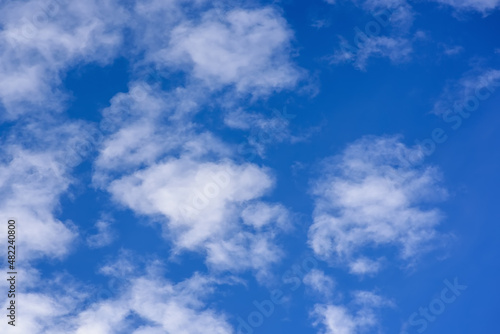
(397,14)
(396,49)
(320,283)
(103,237)
(362,266)
(357,317)
(39,40)
(483,6)
(386,35)
(264,130)
(145,125)
(452,50)
(35,170)
(247,49)
(203,205)
(371,196)
(157,162)
(467,92)
(157,304)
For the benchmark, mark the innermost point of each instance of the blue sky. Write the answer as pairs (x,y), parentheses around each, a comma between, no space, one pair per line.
(245,167)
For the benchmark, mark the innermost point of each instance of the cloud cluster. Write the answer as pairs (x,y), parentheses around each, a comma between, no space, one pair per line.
(41,40)
(371,196)
(247,49)
(358,316)
(35,171)
(144,304)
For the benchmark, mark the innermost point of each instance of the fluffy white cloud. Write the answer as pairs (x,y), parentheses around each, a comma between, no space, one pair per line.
(103,237)
(357,317)
(336,320)
(31,185)
(244,48)
(34,173)
(373,195)
(39,40)
(362,265)
(208,207)
(158,163)
(160,305)
(319,282)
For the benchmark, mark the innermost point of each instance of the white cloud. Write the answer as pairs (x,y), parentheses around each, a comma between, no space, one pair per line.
(483,6)
(386,35)
(336,320)
(248,49)
(103,237)
(145,125)
(452,50)
(243,120)
(357,317)
(159,163)
(39,40)
(264,130)
(362,266)
(196,197)
(396,49)
(261,214)
(319,282)
(372,196)
(467,93)
(160,305)
(31,185)
(203,205)
(396,13)
(34,173)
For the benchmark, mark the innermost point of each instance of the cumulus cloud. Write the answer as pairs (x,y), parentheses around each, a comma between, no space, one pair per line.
(203,203)
(247,49)
(374,195)
(39,40)
(160,164)
(34,172)
(358,316)
(159,305)
(319,282)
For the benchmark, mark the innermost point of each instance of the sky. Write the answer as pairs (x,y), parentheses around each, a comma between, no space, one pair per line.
(241,167)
